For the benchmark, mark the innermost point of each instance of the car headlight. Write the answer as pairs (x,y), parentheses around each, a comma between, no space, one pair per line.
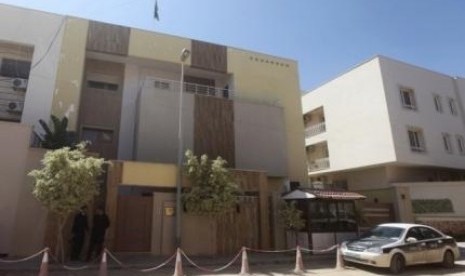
(377,250)
(344,245)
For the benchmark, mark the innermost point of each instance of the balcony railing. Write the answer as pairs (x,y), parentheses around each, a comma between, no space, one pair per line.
(194,88)
(315,129)
(318,164)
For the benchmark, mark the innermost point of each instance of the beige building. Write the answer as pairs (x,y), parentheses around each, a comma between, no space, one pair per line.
(119,87)
(395,133)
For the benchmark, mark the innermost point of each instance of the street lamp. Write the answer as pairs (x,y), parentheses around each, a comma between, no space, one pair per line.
(184,56)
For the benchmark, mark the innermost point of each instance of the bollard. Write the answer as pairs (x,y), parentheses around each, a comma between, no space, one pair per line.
(178,264)
(245,263)
(299,264)
(44,265)
(103,264)
(339,259)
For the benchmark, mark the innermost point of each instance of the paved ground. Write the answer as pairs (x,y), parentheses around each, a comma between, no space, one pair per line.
(260,265)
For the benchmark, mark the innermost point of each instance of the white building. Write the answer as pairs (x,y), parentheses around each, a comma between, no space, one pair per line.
(388,130)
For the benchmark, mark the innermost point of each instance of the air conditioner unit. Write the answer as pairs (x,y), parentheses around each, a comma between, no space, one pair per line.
(15,107)
(19,84)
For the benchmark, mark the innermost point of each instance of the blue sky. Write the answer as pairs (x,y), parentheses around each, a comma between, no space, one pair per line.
(326,37)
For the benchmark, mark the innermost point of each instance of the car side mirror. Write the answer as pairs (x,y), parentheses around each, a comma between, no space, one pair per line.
(411,240)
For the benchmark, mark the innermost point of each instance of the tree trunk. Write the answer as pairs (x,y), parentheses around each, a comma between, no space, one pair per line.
(59,247)
(296,238)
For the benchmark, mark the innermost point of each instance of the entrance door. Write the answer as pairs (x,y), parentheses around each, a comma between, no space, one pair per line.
(134,223)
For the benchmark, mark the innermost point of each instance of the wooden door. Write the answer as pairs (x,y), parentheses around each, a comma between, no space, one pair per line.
(134,223)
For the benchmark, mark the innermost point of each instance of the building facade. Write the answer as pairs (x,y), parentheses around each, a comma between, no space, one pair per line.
(388,129)
(119,87)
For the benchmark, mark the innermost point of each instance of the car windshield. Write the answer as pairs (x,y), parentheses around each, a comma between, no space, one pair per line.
(384,232)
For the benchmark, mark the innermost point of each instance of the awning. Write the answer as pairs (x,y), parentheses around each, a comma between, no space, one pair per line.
(323,194)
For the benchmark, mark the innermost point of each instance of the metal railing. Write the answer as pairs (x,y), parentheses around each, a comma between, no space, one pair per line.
(225,93)
(171,85)
(318,164)
(315,129)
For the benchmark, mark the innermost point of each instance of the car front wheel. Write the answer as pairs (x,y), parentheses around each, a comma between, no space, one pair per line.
(448,260)
(397,264)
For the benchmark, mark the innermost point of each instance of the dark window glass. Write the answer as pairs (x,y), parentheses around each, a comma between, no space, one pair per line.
(15,68)
(102,85)
(429,233)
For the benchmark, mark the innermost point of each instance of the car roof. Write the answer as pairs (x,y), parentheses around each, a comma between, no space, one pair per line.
(402,225)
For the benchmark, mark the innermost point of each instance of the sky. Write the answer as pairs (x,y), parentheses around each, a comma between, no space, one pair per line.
(325,37)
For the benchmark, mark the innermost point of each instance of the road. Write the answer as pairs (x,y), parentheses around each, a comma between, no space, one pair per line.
(320,268)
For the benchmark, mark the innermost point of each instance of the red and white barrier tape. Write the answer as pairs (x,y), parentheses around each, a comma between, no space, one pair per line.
(212,270)
(23,259)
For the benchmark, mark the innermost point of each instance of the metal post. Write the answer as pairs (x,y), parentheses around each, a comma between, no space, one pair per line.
(184,55)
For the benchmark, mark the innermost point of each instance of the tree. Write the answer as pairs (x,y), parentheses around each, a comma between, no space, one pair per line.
(212,190)
(291,217)
(67,181)
(57,136)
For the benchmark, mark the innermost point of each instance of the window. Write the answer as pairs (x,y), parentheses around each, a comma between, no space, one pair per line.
(102,85)
(416,139)
(332,216)
(164,85)
(408,98)
(15,68)
(453,107)
(447,143)
(437,103)
(429,234)
(460,144)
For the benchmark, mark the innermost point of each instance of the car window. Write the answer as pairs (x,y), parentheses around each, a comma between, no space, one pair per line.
(415,232)
(384,232)
(429,233)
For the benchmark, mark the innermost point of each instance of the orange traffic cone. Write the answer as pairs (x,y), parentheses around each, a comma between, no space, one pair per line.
(178,264)
(103,264)
(299,264)
(339,259)
(44,265)
(245,263)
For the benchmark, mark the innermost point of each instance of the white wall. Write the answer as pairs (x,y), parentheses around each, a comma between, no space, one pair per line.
(425,84)
(135,75)
(14,146)
(36,29)
(439,190)
(357,122)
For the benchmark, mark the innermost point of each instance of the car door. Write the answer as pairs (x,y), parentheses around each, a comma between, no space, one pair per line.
(415,251)
(434,245)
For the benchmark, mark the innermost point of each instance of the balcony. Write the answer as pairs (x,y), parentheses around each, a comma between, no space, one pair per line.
(315,129)
(318,164)
(204,90)
(171,85)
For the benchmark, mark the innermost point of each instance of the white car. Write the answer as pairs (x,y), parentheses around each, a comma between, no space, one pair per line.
(396,245)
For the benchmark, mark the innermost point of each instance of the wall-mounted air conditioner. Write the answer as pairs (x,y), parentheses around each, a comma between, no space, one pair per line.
(19,84)
(15,106)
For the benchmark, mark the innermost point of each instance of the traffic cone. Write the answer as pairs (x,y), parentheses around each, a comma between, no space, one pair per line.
(103,264)
(299,264)
(178,264)
(339,259)
(44,265)
(245,263)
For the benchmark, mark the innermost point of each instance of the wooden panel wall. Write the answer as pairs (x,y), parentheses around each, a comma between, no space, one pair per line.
(209,56)
(108,38)
(237,229)
(214,128)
